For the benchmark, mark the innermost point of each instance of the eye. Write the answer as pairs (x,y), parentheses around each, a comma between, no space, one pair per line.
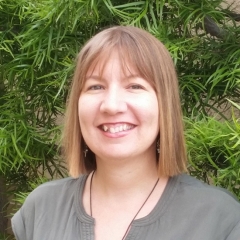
(136,86)
(95,87)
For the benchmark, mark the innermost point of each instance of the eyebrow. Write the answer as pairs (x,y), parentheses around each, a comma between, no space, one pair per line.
(95,77)
(133,76)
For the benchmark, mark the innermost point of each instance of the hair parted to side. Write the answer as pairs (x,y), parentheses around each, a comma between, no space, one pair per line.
(153,62)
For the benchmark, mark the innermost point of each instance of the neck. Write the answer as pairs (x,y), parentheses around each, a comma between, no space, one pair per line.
(121,177)
(129,188)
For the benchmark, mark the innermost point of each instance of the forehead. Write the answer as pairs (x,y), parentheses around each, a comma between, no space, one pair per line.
(104,60)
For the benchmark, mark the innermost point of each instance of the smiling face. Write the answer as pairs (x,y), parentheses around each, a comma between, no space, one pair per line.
(118,112)
(124,123)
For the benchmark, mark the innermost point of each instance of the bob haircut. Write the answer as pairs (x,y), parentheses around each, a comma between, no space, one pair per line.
(153,62)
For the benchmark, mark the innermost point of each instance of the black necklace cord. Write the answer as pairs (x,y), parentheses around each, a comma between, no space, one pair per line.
(140,208)
(125,234)
(91,193)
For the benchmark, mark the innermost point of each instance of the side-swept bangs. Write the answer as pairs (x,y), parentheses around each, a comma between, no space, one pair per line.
(151,60)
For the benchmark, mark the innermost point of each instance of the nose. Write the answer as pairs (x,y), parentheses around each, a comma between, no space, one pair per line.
(113,101)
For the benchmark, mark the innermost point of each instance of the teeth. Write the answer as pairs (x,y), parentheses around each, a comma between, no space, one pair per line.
(112,130)
(117,129)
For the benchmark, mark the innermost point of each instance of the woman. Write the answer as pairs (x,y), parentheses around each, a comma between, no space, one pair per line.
(124,137)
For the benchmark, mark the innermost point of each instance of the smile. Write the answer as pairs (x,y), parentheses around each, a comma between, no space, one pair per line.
(119,128)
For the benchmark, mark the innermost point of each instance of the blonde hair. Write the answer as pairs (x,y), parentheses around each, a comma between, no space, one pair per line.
(153,62)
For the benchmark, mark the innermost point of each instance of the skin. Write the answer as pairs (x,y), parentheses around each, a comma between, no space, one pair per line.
(119,119)
(114,100)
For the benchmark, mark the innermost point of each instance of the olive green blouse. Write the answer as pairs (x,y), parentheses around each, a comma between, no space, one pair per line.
(187,210)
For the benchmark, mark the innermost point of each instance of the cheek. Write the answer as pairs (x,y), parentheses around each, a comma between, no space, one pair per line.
(83,110)
(87,110)
(84,105)
(148,107)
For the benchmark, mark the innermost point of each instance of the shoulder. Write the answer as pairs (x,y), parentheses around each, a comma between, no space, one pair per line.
(57,189)
(49,201)
(52,195)
(54,186)
(193,184)
(210,207)
(193,191)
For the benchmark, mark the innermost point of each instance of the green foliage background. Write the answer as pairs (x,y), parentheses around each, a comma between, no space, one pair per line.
(39,41)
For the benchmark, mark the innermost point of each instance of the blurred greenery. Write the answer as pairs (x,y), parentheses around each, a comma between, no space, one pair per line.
(214,151)
(39,41)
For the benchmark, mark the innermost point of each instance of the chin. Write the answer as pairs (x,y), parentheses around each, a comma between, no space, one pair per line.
(115,157)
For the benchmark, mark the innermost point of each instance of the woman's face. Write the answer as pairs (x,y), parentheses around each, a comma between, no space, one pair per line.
(118,112)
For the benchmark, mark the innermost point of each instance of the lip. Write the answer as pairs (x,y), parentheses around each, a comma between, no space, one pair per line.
(115,124)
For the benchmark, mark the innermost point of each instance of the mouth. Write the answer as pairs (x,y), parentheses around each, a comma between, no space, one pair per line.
(116,128)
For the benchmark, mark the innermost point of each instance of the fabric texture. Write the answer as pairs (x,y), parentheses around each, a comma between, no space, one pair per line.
(187,210)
